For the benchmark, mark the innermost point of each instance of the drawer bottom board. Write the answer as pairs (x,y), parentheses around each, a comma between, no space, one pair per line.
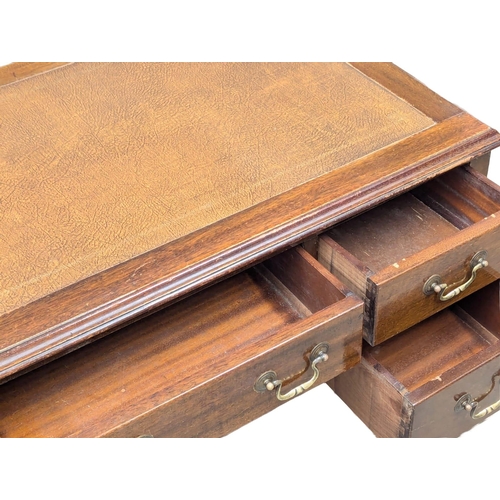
(189,370)
(412,385)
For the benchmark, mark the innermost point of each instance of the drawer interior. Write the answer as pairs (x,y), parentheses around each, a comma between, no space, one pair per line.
(116,379)
(412,384)
(396,255)
(416,220)
(442,343)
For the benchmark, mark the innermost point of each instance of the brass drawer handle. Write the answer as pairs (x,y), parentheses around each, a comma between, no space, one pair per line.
(466,402)
(435,285)
(269,381)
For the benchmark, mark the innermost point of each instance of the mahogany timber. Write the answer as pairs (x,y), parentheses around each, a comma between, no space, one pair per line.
(19,71)
(189,370)
(408,386)
(180,253)
(387,254)
(481,164)
(376,398)
(408,88)
(391,232)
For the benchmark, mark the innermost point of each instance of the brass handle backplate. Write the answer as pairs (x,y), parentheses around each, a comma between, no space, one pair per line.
(269,381)
(435,284)
(470,404)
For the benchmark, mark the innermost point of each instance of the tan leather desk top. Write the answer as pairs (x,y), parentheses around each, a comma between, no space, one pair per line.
(101,163)
(125,186)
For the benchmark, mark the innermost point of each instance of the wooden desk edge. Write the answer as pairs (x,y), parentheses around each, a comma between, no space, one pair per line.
(184,266)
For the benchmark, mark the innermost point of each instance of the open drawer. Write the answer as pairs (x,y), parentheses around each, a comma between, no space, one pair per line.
(420,252)
(437,379)
(198,367)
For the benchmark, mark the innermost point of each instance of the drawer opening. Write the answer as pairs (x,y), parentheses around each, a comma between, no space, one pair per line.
(296,278)
(483,307)
(462,196)
(200,349)
(412,222)
(387,255)
(425,352)
(412,385)
(391,232)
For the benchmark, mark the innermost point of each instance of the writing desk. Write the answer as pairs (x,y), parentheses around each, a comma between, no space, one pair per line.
(156,181)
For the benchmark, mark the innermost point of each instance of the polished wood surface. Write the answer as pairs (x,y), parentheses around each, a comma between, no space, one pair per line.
(392,232)
(388,253)
(135,209)
(415,379)
(431,348)
(189,370)
(408,88)
(373,396)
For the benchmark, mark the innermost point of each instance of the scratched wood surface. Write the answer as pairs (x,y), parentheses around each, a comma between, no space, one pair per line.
(392,232)
(189,370)
(388,253)
(125,187)
(409,385)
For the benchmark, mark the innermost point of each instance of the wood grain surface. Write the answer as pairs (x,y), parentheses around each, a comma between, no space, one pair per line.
(408,386)
(410,89)
(376,398)
(389,253)
(431,348)
(392,232)
(198,358)
(19,71)
(472,201)
(128,187)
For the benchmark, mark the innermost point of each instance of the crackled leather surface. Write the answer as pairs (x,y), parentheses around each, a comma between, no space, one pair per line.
(103,162)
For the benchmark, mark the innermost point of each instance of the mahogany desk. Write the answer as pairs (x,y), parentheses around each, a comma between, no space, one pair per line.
(130,188)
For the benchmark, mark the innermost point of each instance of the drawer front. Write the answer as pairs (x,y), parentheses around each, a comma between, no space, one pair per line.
(396,295)
(419,253)
(230,400)
(190,370)
(437,379)
(446,414)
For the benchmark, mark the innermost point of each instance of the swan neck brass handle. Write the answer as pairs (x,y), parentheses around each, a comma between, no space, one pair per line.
(470,404)
(269,381)
(435,284)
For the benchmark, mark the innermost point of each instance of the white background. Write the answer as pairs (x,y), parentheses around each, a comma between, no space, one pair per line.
(311,447)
